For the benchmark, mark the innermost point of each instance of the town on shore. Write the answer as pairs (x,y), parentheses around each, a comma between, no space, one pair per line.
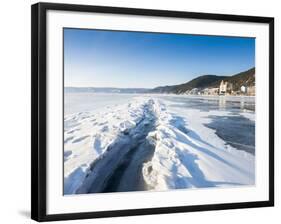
(242,83)
(225,88)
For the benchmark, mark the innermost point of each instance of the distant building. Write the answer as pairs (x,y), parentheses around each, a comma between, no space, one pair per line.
(205,91)
(243,89)
(251,91)
(225,88)
(211,91)
(194,91)
(248,90)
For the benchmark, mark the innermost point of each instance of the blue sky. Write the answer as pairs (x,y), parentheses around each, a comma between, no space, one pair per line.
(97,58)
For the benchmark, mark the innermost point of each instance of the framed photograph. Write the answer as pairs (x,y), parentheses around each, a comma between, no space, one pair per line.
(140,111)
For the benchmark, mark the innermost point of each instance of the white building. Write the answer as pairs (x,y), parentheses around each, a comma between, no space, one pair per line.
(211,91)
(251,90)
(223,88)
(243,89)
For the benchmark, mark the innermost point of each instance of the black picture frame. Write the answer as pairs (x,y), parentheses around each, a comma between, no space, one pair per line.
(39,108)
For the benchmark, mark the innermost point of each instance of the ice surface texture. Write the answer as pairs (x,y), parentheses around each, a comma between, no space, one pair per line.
(149,143)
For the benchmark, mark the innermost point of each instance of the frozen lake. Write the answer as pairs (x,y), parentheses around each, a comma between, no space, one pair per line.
(236,126)
(77,102)
(237,130)
(81,102)
(140,139)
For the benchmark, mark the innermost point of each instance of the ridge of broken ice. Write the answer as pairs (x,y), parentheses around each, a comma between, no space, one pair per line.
(187,154)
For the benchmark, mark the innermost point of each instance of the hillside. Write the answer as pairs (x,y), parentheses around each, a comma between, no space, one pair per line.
(199,82)
(210,81)
(246,78)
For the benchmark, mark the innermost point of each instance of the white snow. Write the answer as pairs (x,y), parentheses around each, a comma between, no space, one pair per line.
(87,136)
(187,153)
(249,115)
(190,155)
(93,102)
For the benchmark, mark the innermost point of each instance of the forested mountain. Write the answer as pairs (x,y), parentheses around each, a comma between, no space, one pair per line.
(246,78)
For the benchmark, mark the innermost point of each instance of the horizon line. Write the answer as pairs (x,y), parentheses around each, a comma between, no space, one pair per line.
(155,86)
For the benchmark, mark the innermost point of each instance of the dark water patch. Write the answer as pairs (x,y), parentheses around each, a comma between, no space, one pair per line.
(237,131)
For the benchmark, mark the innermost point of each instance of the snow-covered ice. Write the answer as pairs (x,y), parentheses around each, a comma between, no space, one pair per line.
(190,155)
(88,135)
(153,142)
